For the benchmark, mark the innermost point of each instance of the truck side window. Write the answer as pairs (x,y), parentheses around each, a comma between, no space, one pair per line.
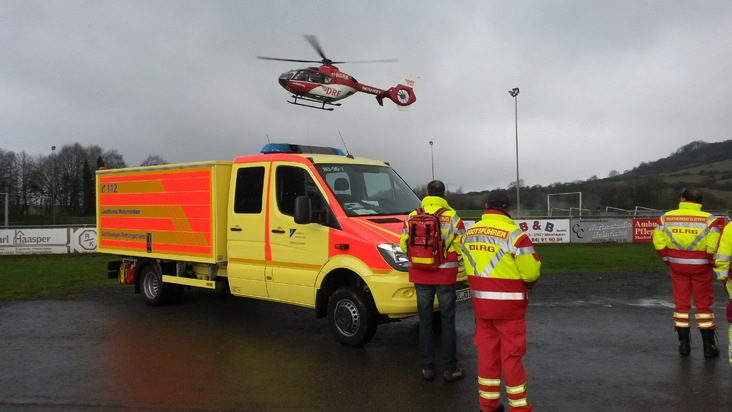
(292,182)
(249,188)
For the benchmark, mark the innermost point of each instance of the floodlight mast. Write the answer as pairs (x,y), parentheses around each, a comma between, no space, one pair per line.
(514,93)
(432,155)
(53,184)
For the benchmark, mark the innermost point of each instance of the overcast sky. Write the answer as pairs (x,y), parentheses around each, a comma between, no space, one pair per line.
(605,85)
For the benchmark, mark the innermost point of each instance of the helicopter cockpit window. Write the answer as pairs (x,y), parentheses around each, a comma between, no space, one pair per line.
(301,75)
(316,77)
(288,75)
(326,79)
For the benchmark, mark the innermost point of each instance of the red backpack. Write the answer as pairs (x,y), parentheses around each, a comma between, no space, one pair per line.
(425,247)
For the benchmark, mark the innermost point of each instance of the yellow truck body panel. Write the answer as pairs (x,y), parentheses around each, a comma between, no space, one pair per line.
(173,211)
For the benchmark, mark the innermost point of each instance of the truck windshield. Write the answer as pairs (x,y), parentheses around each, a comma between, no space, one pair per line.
(368,190)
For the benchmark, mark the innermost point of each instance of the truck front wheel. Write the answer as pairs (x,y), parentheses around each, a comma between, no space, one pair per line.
(352,316)
(154,291)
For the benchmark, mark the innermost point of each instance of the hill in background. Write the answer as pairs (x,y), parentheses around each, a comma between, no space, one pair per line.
(651,185)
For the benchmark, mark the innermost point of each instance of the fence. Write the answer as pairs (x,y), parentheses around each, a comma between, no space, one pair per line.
(541,230)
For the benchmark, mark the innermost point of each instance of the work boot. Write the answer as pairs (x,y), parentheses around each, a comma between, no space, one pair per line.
(684,341)
(709,337)
(499,409)
(453,376)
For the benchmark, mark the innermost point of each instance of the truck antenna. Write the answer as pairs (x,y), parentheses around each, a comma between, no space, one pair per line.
(268,139)
(348,154)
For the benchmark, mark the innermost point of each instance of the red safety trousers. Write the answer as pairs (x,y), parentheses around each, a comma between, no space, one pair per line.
(700,286)
(501,345)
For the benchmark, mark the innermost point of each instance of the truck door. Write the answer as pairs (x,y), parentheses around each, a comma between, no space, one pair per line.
(298,250)
(246,230)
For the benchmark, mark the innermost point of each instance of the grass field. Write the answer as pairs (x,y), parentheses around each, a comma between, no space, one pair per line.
(37,277)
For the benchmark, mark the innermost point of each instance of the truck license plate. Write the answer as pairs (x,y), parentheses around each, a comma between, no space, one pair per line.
(463,294)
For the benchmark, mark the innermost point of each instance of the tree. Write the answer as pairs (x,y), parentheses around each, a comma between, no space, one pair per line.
(613,173)
(87,188)
(113,159)
(25,166)
(513,184)
(153,160)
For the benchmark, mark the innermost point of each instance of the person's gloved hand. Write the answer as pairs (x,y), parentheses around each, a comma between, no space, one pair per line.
(729,311)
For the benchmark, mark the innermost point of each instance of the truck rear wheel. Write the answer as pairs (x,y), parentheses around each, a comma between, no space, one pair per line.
(154,291)
(352,316)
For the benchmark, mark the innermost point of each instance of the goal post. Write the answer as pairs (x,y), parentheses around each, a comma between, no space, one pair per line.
(566,194)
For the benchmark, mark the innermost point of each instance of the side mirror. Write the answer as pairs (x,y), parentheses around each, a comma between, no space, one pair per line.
(303,210)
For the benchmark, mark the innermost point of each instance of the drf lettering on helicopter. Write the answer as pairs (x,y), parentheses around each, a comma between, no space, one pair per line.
(331,91)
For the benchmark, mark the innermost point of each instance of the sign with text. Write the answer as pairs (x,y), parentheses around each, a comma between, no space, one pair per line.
(643,229)
(602,230)
(25,241)
(546,230)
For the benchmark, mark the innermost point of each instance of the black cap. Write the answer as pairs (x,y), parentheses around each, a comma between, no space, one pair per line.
(498,199)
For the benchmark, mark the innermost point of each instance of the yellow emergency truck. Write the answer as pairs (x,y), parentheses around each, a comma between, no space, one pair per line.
(302,225)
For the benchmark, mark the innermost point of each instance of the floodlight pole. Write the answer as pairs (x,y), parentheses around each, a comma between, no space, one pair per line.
(514,93)
(53,184)
(432,156)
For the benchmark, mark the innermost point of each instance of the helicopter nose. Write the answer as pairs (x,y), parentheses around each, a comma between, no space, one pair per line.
(283,82)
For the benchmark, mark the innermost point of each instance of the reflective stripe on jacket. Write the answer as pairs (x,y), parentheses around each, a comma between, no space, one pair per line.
(724,254)
(452,230)
(686,238)
(501,262)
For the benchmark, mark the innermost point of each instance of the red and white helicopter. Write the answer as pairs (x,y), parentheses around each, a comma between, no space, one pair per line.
(326,84)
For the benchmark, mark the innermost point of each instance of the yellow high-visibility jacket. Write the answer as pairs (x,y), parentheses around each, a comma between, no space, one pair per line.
(686,238)
(501,264)
(452,230)
(723,257)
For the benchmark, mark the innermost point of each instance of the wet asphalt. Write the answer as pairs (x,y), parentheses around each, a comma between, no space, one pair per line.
(595,343)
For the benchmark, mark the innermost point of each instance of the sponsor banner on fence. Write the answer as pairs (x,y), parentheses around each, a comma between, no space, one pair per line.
(602,230)
(47,241)
(643,229)
(546,230)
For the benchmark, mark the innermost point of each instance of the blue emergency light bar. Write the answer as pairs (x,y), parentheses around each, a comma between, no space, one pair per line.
(296,148)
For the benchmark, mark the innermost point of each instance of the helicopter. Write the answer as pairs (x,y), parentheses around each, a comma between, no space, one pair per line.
(326,84)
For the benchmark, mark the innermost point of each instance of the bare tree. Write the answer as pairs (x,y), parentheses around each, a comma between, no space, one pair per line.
(25,166)
(153,160)
(113,160)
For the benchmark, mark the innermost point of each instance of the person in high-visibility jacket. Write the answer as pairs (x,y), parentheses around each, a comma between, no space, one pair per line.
(722,266)
(439,282)
(686,239)
(502,265)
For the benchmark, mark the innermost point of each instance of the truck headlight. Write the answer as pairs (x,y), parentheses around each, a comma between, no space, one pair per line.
(394,256)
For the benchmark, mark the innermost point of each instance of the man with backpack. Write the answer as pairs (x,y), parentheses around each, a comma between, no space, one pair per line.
(431,238)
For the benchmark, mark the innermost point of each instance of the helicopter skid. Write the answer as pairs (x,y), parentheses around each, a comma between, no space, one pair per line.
(321,107)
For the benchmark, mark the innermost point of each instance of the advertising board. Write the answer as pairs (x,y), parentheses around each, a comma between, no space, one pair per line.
(24,241)
(546,230)
(602,230)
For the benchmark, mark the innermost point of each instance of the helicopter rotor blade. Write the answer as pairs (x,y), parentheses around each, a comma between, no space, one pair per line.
(369,61)
(288,60)
(316,45)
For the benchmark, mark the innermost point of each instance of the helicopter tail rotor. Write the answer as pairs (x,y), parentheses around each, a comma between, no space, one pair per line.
(402,94)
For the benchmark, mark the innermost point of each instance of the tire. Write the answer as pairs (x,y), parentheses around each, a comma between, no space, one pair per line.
(352,316)
(154,291)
